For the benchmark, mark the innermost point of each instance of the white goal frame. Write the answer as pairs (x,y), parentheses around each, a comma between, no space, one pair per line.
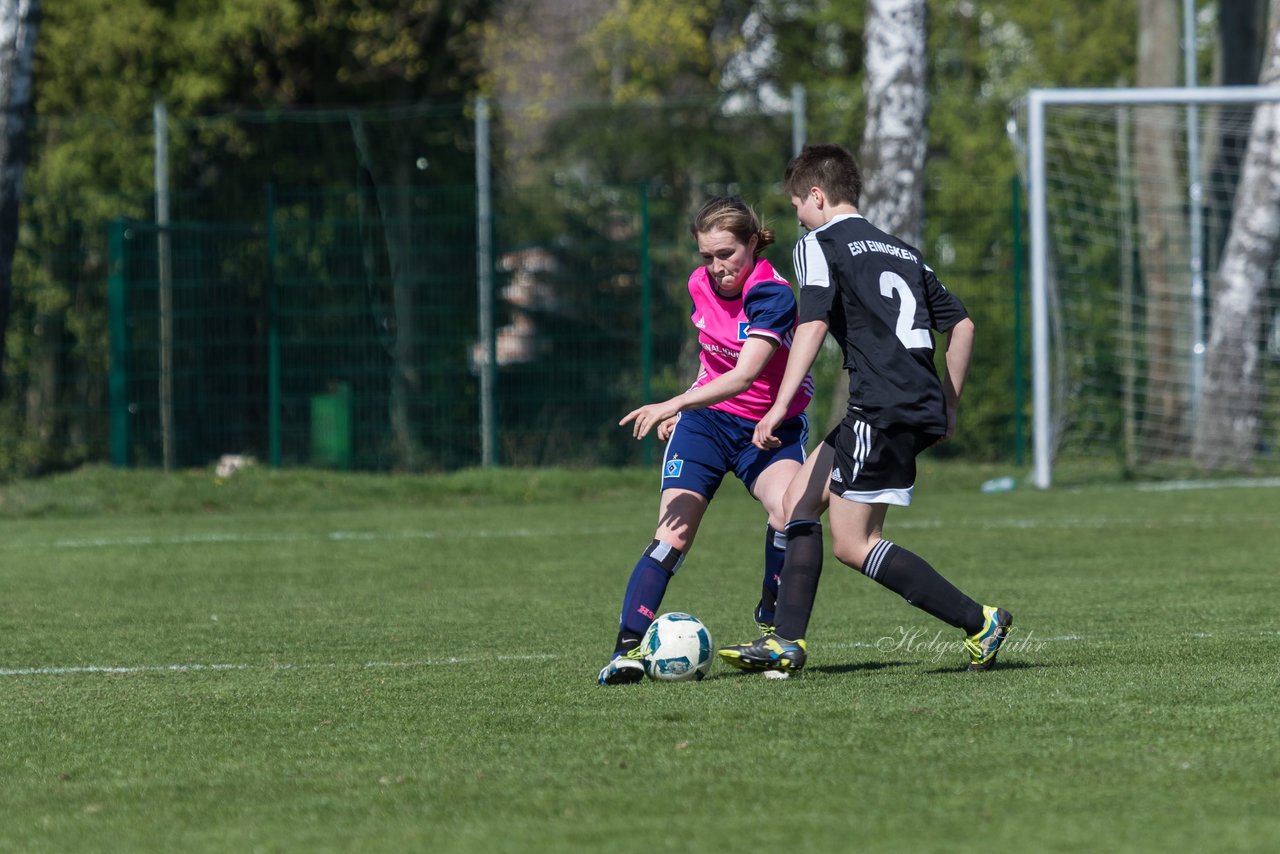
(1037,101)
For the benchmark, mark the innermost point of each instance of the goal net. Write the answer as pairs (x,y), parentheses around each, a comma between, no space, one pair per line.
(1130,197)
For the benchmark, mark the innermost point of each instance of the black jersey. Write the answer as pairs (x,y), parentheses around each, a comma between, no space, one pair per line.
(881,303)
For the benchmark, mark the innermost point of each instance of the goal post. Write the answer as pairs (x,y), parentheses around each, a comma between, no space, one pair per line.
(1122,233)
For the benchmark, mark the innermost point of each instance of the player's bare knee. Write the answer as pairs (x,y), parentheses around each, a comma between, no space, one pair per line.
(777,518)
(851,554)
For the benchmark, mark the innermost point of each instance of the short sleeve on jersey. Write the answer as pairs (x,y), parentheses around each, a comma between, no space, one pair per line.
(770,308)
(945,309)
(817,291)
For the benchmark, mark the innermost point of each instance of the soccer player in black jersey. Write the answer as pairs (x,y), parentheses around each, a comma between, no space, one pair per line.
(881,303)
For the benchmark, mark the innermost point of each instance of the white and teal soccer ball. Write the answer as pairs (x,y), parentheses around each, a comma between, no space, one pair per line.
(677,648)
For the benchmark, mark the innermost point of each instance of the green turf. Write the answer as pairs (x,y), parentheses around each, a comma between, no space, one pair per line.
(312,662)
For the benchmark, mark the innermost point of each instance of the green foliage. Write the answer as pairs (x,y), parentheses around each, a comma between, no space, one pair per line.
(683,118)
(308,661)
(820,45)
(982,57)
(101,67)
(655,50)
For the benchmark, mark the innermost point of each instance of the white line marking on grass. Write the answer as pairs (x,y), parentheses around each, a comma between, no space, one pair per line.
(332,536)
(94,669)
(237,538)
(1227,483)
(1060,523)
(90,669)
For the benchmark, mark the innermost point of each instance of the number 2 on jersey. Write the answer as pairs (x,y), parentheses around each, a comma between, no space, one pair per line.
(910,336)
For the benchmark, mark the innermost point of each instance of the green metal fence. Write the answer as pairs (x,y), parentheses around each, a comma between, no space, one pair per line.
(333,334)
(329,334)
(314,300)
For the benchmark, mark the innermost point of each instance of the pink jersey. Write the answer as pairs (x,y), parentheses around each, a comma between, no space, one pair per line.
(766,306)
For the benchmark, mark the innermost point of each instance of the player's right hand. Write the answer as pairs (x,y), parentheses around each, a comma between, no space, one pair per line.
(647,417)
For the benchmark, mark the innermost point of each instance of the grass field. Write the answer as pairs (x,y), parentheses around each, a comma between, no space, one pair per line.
(311,662)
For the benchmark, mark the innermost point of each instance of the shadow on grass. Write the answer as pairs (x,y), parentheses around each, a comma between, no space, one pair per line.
(859,667)
(1004,665)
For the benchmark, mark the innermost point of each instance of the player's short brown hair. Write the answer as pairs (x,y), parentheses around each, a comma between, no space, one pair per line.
(827,166)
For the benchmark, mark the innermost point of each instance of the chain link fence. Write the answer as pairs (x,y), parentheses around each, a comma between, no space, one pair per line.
(313,299)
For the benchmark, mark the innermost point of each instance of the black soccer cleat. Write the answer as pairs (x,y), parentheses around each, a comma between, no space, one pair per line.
(766,653)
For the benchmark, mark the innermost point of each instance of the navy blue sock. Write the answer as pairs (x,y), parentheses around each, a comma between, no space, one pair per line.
(645,589)
(912,578)
(800,578)
(775,554)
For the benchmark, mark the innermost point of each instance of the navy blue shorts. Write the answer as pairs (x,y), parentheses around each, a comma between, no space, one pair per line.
(707,444)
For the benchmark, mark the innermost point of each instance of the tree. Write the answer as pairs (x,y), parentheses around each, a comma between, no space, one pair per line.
(894,136)
(19,27)
(1227,431)
(1163,245)
(101,66)
(611,107)
(1242,30)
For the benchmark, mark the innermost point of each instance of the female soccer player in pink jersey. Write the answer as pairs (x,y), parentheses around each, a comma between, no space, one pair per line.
(745,314)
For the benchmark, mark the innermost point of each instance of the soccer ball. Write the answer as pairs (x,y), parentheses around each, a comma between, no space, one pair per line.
(677,648)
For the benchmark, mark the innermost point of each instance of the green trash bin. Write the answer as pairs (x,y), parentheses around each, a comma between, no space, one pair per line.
(331,428)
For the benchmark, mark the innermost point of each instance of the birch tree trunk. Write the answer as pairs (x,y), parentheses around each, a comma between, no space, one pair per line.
(1242,40)
(19,26)
(893,141)
(1226,434)
(894,138)
(1162,247)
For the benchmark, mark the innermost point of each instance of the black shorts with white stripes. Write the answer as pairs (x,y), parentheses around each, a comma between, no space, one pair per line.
(875,465)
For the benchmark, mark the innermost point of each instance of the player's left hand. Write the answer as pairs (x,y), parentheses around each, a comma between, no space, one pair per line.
(951,423)
(763,436)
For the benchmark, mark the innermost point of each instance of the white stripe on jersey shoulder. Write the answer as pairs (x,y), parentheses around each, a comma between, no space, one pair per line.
(808,259)
(811,263)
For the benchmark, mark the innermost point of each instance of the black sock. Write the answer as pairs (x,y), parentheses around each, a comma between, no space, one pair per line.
(626,642)
(800,574)
(912,578)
